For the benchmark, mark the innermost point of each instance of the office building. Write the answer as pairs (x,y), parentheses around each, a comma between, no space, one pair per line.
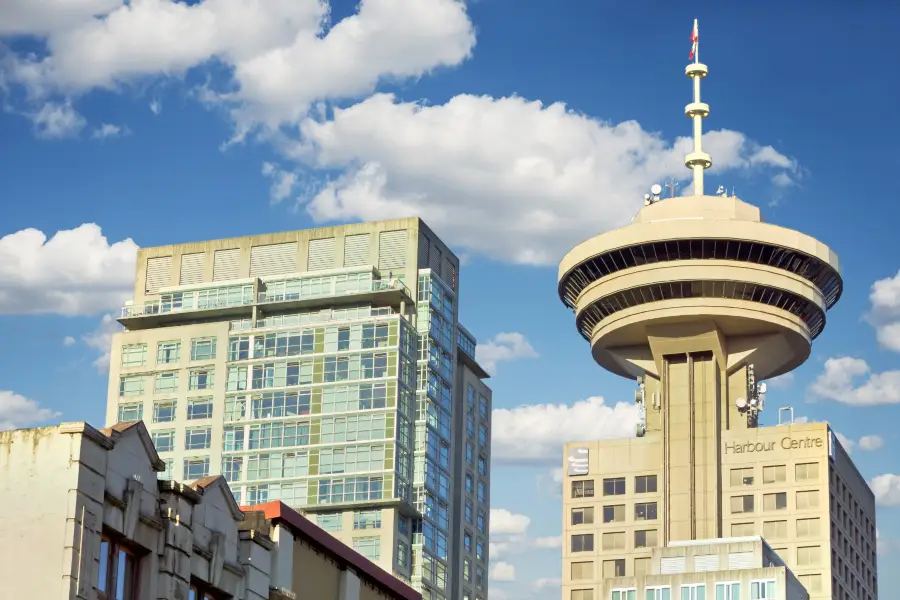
(324,368)
(699,300)
(718,569)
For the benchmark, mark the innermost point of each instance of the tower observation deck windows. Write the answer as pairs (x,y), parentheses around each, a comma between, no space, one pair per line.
(821,274)
(809,312)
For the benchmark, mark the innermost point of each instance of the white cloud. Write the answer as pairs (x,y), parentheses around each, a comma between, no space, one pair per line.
(503,347)
(155,107)
(536,433)
(107,130)
(870,442)
(17,411)
(884,313)
(782,381)
(76,272)
(283,182)
(548,542)
(782,180)
(846,442)
(68,341)
(557,475)
(101,340)
(886,489)
(504,177)
(547,583)
(503,571)
(838,382)
(282,54)
(504,522)
(57,120)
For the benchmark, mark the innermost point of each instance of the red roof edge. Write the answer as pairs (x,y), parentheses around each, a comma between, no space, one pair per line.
(277,511)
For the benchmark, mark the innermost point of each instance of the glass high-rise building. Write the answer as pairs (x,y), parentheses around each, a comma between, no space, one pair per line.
(325,368)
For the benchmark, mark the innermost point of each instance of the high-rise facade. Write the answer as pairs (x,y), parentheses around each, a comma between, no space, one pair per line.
(325,368)
(699,300)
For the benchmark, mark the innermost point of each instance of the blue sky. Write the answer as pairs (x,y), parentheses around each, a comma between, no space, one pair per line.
(516,128)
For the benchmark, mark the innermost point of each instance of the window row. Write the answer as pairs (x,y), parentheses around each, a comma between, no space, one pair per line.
(731,590)
(803,500)
(371,365)
(614,486)
(329,461)
(302,493)
(168,352)
(778,530)
(614,513)
(167,382)
(803,472)
(314,341)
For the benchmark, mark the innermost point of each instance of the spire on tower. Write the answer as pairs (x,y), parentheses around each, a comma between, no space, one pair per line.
(697,160)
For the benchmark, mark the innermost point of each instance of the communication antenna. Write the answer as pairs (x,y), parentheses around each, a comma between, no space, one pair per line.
(672,184)
(653,196)
(722,191)
(640,400)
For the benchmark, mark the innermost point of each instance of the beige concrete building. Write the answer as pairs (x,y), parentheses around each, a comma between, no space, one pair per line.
(719,569)
(326,369)
(699,300)
(84,517)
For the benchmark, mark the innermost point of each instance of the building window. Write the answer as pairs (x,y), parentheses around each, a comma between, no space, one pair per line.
(741,504)
(582,570)
(807,528)
(582,594)
(483,407)
(482,435)
(742,476)
(467,541)
(775,501)
(615,568)
(233,438)
(134,355)
(646,538)
(164,411)
(202,379)
(470,483)
(775,530)
(479,576)
(645,511)
(613,541)
(469,510)
(170,469)
(482,465)
(583,489)
(774,474)
(164,440)
(728,591)
(232,467)
(131,386)
(200,592)
(807,499)
(614,487)
(583,516)
(199,408)
(203,349)
(482,492)
(645,484)
(482,521)
(583,542)
(367,519)
(168,353)
(470,453)
(197,438)
(195,468)
(166,382)
(806,472)
(330,521)
(741,529)
(663,593)
(812,582)
(132,411)
(117,575)
(807,556)
(694,591)
(762,590)
(614,513)
(479,549)
(239,348)
(402,554)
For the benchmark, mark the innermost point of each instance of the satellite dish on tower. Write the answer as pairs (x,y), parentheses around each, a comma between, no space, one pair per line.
(741,403)
(656,189)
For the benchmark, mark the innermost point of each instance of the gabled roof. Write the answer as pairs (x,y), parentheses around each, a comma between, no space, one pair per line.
(218,482)
(125,428)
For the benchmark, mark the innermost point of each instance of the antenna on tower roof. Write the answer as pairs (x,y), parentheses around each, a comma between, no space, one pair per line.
(697,160)
(672,184)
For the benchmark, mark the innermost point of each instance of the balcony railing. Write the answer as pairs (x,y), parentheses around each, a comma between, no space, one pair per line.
(331,288)
(225,297)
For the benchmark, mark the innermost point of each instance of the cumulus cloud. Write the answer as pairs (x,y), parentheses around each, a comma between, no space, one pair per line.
(504,522)
(884,312)
(57,120)
(503,571)
(870,442)
(283,182)
(504,177)
(535,434)
(76,272)
(846,442)
(782,381)
(100,339)
(282,55)
(68,341)
(503,347)
(886,489)
(850,381)
(17,411)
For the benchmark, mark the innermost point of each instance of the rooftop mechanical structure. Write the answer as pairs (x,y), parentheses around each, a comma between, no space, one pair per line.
(699,300)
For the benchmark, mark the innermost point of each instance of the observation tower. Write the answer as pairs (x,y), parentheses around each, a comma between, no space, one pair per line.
(699,299)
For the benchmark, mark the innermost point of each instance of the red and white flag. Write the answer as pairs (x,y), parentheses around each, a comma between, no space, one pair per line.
(695,37)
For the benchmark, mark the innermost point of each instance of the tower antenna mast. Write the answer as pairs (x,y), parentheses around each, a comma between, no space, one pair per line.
(697,160)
